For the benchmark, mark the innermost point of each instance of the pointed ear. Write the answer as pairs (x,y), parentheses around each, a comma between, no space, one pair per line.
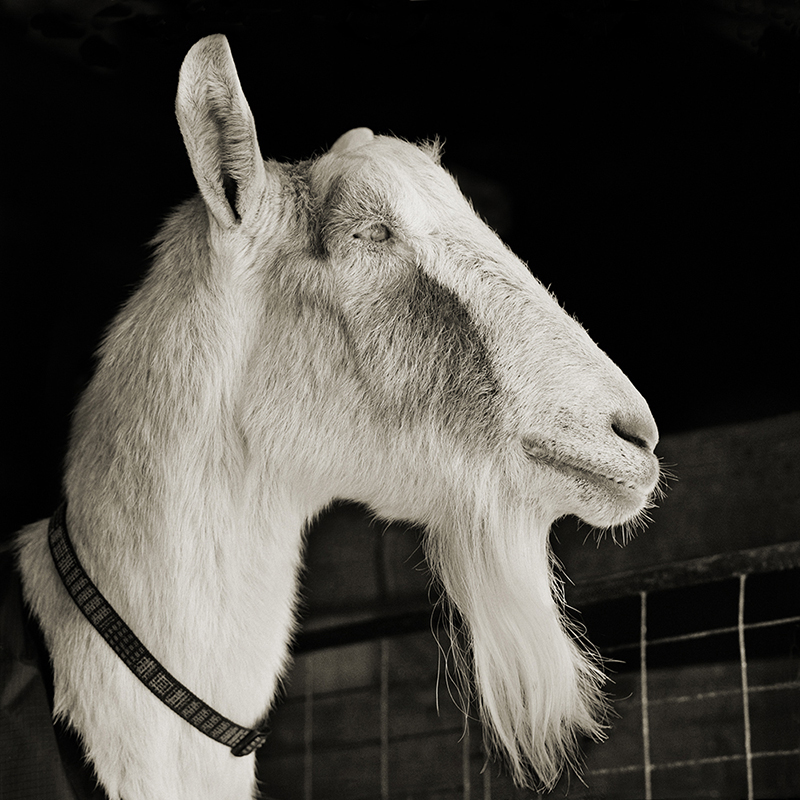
(219,132)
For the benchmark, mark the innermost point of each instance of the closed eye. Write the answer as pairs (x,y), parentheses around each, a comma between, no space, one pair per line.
(376,232)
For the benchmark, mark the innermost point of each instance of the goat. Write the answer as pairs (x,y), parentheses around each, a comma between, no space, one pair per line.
(341,328)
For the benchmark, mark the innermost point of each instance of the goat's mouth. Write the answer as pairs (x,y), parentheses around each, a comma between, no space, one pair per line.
(627,485)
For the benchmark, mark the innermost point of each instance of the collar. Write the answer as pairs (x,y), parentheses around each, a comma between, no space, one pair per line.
(173,694)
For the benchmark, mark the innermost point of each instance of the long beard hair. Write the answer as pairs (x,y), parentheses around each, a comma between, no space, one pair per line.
(513,648)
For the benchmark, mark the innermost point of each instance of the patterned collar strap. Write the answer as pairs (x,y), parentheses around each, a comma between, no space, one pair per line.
(135,655)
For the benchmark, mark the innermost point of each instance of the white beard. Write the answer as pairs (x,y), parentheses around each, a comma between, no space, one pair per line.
(537,690)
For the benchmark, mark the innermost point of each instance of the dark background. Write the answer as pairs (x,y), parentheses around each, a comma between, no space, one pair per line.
(642,157)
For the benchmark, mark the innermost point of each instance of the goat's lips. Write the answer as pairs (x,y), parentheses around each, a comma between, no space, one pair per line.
(583,469)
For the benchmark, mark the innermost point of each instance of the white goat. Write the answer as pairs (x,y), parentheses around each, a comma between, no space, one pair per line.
(345,327)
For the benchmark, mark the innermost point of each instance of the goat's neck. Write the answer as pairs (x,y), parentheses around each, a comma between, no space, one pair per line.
(175,520)
(208,585)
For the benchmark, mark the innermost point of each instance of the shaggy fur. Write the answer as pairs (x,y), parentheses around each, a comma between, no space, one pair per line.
(341,328)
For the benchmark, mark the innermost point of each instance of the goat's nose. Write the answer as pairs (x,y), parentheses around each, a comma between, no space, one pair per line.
(638,428)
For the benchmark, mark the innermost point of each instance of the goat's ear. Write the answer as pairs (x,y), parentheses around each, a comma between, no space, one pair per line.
(219,132)
(352,139)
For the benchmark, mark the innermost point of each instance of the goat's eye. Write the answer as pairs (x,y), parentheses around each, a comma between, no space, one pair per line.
(376,232)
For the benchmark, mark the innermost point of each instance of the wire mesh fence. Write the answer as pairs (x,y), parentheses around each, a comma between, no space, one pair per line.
(704,656)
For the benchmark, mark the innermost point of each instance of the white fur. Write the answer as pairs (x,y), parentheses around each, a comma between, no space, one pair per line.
(342,328)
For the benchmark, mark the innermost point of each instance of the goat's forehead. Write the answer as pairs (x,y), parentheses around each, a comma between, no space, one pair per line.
(390,167)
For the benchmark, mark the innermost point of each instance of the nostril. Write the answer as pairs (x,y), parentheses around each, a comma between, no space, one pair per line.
(640,432)
(629,437)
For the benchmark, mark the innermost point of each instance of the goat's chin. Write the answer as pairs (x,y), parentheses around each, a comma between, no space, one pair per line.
(628,513)
(604,503)
(536,689)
